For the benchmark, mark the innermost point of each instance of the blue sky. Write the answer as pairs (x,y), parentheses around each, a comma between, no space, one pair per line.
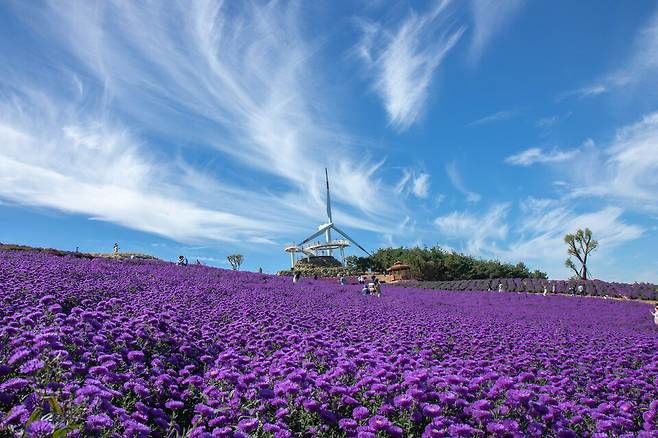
(203,128)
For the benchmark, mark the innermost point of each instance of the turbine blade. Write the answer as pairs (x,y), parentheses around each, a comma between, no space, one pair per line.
(326,176)
(314,235)
(351,240)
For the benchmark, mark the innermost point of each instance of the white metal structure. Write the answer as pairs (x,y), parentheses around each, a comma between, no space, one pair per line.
(328,246)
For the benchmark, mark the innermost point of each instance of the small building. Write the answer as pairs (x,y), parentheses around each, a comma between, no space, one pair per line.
(399,271)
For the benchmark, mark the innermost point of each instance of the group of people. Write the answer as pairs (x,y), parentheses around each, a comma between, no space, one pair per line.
(372,287)
(182,261)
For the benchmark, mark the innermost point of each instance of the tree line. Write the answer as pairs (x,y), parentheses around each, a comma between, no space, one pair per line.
(436,264)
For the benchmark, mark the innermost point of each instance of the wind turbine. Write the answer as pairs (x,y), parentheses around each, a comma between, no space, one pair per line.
(329,244)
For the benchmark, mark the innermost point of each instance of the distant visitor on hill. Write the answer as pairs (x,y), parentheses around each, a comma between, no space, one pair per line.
(295,277)
(378,287)
(116,247)
(182,261)
(500,287)
(655,314)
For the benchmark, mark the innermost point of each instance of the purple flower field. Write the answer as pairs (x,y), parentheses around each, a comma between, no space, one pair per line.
(105,348)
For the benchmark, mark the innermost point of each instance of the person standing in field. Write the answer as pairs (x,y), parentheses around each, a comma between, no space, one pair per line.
(655,314)
(545,290)
(295,277)
(371,286)
(500,287)
(378,288)
(580,289)
(553,289)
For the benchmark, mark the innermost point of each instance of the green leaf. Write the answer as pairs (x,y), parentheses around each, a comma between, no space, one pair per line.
(61,433)
(54,405)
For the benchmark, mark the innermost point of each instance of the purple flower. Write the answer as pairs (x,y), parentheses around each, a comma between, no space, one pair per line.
(98,422)
(460,429)
(174,404)
(311,405)
(19,355)
(248,424)
(347,424)
(136,356)
(18,414)
(432,410)
(15,383)
(379,422)
(402,401)
(31,366)
(360,413)
(40,428)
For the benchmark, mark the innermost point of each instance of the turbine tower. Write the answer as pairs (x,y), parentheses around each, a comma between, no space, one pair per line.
(314,249)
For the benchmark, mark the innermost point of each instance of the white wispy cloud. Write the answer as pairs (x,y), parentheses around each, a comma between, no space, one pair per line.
(403,59)
(536,234)
(543,227)
(623,168)
(478,232)
(589,91)
(456,179)
(489,18)
(548,122)
(421,185)
(626,169)
(639,68)
(532,156)
(412,182)
(495,117)
(238,83)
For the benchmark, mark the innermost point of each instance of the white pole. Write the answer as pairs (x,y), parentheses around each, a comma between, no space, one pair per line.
(327,235)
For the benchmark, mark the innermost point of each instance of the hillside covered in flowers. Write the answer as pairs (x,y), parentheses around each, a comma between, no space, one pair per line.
(96,347)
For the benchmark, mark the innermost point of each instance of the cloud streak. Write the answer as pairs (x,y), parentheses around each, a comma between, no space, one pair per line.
(495,117)
(532,156)
(639,68)
(411,182)
(489,18)
(403,59)
(455,178)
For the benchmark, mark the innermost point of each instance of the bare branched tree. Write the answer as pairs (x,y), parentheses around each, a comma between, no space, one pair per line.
(579,245)
(235,260)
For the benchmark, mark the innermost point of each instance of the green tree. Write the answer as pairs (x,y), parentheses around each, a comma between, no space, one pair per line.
(361,264)
(436,264)
(235,260)
(579,245)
